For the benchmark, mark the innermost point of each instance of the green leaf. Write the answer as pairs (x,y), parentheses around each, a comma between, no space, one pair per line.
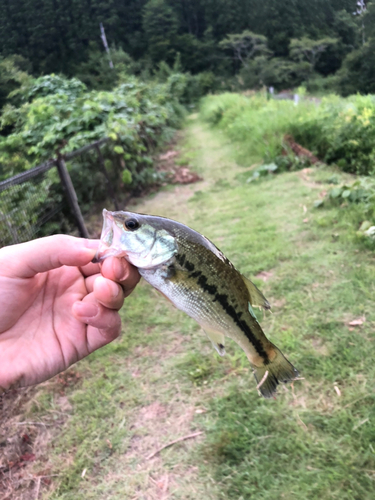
(335,193)
(127,177)
(118,149)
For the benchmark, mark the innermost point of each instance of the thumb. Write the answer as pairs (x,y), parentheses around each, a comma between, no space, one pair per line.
(37,256)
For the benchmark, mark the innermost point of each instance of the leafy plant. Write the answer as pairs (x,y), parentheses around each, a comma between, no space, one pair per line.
(60,115)
(262,171)
(361,190)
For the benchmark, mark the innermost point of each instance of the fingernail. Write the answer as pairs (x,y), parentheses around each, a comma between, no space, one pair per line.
(115,291)
(86,310)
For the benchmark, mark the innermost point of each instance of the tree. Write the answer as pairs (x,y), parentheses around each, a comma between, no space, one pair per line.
(276,72)
(160,26)
(346,28)
(310,50)
(13,75)
(246,45)
(358,71)
(369,20)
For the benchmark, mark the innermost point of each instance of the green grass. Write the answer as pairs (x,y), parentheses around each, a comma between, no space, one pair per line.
(162,380)
(310,442)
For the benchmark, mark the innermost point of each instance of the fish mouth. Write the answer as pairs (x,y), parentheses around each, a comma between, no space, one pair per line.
(110,233)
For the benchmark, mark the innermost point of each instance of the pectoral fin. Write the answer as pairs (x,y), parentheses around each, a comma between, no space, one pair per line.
(256,297)
(217,339)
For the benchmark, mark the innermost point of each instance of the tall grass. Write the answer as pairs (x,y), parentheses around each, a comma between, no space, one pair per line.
(256,123)
(340,131)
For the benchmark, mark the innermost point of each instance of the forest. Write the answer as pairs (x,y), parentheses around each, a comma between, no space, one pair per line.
(325,44)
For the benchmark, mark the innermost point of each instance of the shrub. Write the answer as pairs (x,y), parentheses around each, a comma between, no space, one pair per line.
(342,131)
(63,116)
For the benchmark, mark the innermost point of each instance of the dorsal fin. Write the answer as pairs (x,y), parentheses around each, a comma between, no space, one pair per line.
(256,297)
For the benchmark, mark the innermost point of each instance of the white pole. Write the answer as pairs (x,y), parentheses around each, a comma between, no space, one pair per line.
(104,40)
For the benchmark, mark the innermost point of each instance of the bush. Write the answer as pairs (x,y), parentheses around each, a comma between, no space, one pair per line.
(357,201)
(337,130)
(189,88)
(63,116)
(54,84)
(321,85)
(96,73)
(341,131)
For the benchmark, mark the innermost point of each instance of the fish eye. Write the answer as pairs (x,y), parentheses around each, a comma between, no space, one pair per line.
(132,224)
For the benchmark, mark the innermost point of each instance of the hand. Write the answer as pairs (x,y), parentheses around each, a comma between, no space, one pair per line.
(56,307)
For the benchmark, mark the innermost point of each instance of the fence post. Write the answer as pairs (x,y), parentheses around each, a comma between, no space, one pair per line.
(72,196)
(108,181)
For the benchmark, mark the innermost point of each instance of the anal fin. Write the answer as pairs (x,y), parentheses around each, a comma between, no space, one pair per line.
(217,339)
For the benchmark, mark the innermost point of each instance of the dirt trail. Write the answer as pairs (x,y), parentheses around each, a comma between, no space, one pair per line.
(25,469)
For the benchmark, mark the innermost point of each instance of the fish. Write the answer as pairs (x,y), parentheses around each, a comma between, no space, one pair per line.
(190,271)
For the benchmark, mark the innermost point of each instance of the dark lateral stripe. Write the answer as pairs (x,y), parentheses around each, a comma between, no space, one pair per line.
(223,300)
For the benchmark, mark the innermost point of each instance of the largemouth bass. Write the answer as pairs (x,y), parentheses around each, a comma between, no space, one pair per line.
(198,279)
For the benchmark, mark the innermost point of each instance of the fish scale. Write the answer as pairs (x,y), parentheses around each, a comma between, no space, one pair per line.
(198,279)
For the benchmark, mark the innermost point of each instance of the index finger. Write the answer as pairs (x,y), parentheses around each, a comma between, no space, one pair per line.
(37,256)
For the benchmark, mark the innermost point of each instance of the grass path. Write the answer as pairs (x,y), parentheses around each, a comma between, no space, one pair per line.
(162,380)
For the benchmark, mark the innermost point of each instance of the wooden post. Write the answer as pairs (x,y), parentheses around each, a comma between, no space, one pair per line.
(108,180)
(72,196)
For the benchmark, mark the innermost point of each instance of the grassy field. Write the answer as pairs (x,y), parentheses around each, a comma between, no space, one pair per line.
(163,381)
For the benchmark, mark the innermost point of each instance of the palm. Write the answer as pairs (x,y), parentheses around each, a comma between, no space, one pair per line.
(45,337)
(56,306)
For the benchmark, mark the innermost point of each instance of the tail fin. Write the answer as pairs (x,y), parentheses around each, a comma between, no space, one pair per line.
(269,376)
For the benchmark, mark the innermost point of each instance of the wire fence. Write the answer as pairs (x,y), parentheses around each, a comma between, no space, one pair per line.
(30,200)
